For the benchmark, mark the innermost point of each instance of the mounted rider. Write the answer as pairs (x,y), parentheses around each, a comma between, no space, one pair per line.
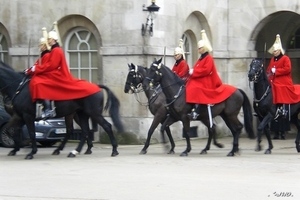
(181,68)
(279,72)
(204,85)
(52,79)
(44,57)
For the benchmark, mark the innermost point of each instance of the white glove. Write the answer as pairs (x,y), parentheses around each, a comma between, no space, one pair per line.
(273,70)
(33,68)
(191,71)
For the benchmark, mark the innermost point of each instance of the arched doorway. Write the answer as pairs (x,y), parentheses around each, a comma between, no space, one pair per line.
(287,25)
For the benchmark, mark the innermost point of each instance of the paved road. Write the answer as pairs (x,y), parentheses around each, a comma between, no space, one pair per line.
(156,175)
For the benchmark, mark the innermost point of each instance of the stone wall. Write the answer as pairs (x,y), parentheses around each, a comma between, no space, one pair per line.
(232,27)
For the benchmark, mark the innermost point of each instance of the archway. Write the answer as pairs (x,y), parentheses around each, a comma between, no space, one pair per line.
(286,24)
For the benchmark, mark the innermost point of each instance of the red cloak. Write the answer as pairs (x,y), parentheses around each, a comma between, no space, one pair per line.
(283,89)
(52,80)
(204,85)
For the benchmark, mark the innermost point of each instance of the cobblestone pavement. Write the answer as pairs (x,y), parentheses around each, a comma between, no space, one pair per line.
(156,175)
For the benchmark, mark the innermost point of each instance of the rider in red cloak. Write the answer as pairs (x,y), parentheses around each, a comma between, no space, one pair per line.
(204,85)
(52,79)
(279,71)
(181,68)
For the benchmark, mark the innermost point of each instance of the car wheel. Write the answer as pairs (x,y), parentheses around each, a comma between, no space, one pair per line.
(6,138)
(47,143)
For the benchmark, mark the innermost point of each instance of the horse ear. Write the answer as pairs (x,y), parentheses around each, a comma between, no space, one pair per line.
(159,61)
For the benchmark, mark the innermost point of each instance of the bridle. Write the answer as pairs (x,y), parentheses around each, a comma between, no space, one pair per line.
(138,88)
(255,79)
(151,83)
(258,72)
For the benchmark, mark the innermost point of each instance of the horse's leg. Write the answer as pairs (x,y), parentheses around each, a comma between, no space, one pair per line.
(29,120)
(84,125)
(15,123)
(216,143)
(166,127)
(268,136)
(89,143)
(295,121)
(264,122)
(17,140)
(69,129)
(211,135)
(235,127)
(155,122)
(186,128)
(168,131)
(107,128)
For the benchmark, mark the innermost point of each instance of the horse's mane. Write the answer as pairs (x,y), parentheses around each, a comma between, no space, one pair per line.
(9,71)
(6,66)
(172,74)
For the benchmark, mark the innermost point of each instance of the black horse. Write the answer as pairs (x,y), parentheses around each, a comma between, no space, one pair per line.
(157,105)
(174,89)
(263,104)
(85,108)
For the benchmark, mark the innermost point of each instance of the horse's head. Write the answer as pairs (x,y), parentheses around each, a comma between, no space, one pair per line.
(154,74)
(256,69)
(9,79)
(135,77)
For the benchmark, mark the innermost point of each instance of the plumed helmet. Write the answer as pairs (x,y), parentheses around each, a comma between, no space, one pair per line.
(43,40)
(200,44)
(276,46)
(53,35)
(204,42)
(178,50)
(181,46)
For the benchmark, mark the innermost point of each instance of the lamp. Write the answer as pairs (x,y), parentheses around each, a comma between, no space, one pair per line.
(149,22)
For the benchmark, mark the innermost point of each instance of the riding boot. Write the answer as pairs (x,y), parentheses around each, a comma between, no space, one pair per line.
(194,114)
(48,112)
(284,111)
(279,111)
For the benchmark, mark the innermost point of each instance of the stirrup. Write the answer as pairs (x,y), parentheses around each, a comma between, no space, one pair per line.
(193,115)
(277,114)
(284,113)
(48,114)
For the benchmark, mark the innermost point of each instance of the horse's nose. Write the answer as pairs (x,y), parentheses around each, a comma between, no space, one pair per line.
(250,76)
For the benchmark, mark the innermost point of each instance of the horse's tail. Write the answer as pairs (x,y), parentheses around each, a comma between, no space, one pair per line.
(113,105)
(248,117)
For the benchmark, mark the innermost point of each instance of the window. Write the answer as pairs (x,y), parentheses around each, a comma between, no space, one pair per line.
(3,48)
(81,52)
(295,40)
(187,49)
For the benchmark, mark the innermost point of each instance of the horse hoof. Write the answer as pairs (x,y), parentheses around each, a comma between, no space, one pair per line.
(12,153)
(71,155)
(183,154)
(29,157)
(203,152)
(171,152)
(143,152)
(231,154)
(88,152)
(268,151)
(56,152)
(258,148)
(115,153)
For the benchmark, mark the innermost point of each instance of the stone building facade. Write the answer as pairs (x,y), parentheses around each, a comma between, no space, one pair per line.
(101,37)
